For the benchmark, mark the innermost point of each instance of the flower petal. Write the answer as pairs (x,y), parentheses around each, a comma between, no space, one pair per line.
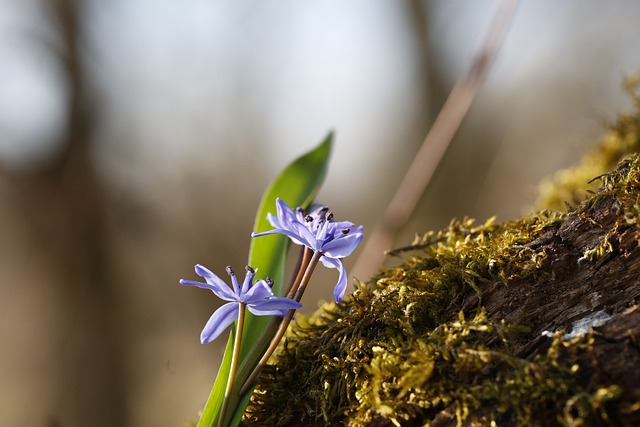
(275,221)
(341,286)
(284,215)
(216,284)
(296,238)
(208,275)
(258,293)
(246,285)
(299,214)
(341,225)
(219,321)
(274,307)
(321,231)
(342,246)
(284,212)
(304,235)
(229,296)
(194,283)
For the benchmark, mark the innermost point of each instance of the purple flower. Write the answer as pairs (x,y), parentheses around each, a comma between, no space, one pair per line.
(318,232)
(257,297)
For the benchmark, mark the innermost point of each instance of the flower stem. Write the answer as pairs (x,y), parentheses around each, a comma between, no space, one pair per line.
(234,364)
(304,264)
(297,290)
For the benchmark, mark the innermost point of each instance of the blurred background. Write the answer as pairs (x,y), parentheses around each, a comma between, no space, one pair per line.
(137,136)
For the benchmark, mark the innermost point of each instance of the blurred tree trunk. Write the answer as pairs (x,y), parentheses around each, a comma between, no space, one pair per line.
(64,206)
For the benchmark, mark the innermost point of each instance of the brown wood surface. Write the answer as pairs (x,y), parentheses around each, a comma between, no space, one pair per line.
(573,290)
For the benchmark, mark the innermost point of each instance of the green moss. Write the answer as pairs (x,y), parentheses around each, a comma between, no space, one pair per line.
(400,351)
(353,368)
(449,366)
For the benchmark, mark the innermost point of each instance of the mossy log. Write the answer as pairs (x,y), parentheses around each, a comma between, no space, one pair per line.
(529,322)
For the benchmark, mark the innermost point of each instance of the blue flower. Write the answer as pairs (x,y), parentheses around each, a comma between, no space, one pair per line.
(258,298)
(318,232)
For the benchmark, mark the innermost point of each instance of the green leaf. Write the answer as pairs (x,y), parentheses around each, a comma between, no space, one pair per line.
(214,403)
(297,185)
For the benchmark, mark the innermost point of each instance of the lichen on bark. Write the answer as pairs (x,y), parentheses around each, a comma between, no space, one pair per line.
(478,324)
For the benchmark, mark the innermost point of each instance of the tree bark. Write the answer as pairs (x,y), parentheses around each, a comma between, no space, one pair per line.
(574,287)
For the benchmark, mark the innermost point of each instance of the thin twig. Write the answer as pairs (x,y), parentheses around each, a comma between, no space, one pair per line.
(434,145)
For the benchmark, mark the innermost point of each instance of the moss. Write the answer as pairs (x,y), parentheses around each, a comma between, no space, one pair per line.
(353,367)
(449,367)
(399,376)
(401,350)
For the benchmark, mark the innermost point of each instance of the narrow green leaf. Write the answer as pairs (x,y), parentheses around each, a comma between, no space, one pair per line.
(297,185)
(214,402)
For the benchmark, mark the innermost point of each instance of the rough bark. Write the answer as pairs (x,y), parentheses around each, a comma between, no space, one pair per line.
(573,287)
